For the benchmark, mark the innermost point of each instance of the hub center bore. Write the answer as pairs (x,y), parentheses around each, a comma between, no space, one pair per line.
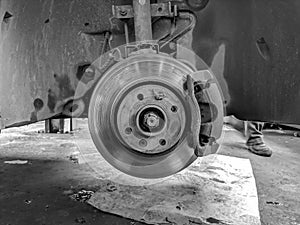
(151,120)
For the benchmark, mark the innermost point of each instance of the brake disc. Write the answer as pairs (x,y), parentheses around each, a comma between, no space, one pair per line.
(140,117)
(143,115)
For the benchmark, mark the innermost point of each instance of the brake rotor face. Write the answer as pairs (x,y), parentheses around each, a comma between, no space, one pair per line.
(149,123)
(139,116)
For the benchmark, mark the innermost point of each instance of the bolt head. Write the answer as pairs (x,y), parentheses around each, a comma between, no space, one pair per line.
(151,120)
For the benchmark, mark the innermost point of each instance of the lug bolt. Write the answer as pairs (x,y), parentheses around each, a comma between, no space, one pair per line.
(151,120)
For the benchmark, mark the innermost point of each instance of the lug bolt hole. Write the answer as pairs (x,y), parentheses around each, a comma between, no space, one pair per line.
(140,97)
(174,109)
(143,143)
(162,142)
(128,130)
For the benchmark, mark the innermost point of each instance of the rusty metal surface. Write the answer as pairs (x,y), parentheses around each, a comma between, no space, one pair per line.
(41,46)
(251,46)
(142,20)
(159,9)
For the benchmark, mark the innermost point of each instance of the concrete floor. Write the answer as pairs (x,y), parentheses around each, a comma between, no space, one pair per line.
(37,192)
(277,177)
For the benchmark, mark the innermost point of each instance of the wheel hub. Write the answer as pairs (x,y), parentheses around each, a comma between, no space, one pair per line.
(154,127)
(150,120)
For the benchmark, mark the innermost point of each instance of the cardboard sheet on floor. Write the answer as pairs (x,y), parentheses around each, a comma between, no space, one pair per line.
(215,189)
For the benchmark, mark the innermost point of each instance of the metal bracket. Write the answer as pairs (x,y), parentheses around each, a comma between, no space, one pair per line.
(200,85)
(142,46)
(158,9)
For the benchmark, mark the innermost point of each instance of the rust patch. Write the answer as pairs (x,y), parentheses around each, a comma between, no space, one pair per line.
(38,104)
(64,85)
(7,17)
(52,100)
(82,74)
(33,117)
(62,91)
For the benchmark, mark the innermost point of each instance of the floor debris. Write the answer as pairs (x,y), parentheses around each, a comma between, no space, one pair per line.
(273,203)
(28,202)
(80,220)
(82,196)
(16,162)
(74,157)
(111,188)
